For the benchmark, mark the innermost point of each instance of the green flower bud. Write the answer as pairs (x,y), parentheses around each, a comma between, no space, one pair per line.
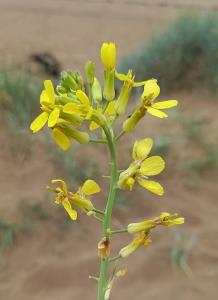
(96,91)
(90,72)
(61,90)
(67,80)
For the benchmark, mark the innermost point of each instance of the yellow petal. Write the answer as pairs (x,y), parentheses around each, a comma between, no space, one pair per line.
(71,212)
(44,98)
(53,117)
(165,104)
(152,166)
(90,187)
(93,126)
(72,108)
(157,113)
(110,110)
(121,76)
(108,55)
(61,139)
(151,186)
(82,97)
(63,184)
(142,148)
(39,122)
(50,91)
(151,90)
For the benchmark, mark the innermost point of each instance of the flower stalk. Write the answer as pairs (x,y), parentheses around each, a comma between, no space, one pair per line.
(102,284)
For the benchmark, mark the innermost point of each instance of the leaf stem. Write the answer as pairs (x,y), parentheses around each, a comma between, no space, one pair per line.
(114,258)
(98,141)
(121,230)
(119,136)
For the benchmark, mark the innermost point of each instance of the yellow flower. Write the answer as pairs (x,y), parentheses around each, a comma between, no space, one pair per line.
(50,112)
(126,89)
(167,219)
(142,167)
(141,240)
(108,55)
(150,93)
(84,109)
(79,199)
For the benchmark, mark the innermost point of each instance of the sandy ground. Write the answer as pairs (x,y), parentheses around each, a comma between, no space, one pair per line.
(53,264)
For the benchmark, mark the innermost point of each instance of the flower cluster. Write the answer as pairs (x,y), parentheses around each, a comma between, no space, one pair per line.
(75,104)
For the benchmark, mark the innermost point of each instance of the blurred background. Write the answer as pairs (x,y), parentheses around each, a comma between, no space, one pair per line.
(44,255)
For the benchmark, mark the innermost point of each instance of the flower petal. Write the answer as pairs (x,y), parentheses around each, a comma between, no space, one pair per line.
(71,212)
(72,108)
(121,76)
(50,91)
(61,139)
(44,98)
(82,97)
(152,166)
(142,148)
(93,126)
(53,117)
(111,108)
(155,112)
(152,186)
(151,90)
(39,122)
(90,187)
(63,184)
(165,104)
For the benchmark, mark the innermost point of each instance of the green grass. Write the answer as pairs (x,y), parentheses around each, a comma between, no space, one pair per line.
(185,55)
(19,98)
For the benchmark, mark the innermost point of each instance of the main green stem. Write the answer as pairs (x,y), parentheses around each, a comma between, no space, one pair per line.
(102,284)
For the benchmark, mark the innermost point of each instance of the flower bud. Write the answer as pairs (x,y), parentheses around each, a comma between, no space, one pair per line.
(67,80)
(90,72)
(61,90)
(96,91)
(108,55)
